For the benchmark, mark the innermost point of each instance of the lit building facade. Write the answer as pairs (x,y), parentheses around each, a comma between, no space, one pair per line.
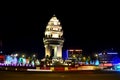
(53,40)
(74,53)
(109,57)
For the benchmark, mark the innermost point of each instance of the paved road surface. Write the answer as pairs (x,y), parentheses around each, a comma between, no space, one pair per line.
(59,76)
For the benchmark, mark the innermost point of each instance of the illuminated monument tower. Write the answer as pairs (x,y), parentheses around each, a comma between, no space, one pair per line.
(53,40)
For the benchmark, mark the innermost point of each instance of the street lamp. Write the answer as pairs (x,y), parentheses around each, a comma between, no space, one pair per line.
(96,55)
(16,55)
(34,55)
(23,55)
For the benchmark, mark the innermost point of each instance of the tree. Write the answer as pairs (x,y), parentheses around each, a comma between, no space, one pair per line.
(83,59)
(88,59)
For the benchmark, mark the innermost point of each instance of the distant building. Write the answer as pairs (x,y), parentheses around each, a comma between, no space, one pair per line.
(74,53)
(71,54)
(109,57)
(65,54)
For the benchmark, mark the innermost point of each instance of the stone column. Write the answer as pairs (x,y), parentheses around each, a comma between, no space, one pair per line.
(47,50)
(55,51)
(59,51)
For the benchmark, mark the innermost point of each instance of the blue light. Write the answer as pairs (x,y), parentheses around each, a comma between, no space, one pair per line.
(97,62)
(118,67)
(65,54)
(112,53)
(108,53)
(116,60)
(8,59)
(86,62)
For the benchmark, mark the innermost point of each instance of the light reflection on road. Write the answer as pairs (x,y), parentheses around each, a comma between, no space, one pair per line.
(58,76)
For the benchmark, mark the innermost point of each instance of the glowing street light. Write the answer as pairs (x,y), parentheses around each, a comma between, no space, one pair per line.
(23,55)
(16,55)
(84,58)
(96,55)
(34,55)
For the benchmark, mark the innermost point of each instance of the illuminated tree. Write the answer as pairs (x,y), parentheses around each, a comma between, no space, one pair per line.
(83,59)
(8,59)
(88,59)
(37,62)
(14,60)
(97,62)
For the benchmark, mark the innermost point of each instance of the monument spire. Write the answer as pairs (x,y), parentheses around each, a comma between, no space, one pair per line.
(54,15)
(53,40)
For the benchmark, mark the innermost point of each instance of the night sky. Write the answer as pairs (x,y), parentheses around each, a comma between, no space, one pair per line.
(87,26)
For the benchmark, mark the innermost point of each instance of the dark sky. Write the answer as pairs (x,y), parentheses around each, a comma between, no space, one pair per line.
(88,26)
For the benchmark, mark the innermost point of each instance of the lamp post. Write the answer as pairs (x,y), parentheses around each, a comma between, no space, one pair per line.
(16,55)
(23,55)
(96,56)
(34,55)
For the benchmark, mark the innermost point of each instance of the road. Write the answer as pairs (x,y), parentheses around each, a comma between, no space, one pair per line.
(87,75)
